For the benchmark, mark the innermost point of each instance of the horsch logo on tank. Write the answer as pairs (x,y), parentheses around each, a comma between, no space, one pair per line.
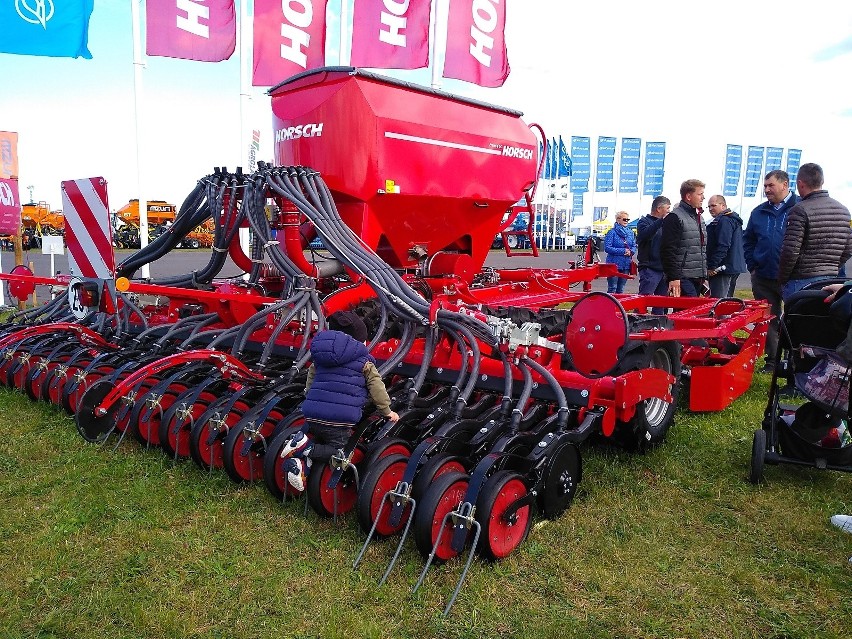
(517,152)
(312,130)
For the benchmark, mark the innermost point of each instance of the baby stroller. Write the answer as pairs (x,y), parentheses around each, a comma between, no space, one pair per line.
(807,417)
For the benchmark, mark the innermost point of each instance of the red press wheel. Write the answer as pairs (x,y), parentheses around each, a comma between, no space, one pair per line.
(434,467)
(322,498)
(174,432)
(244,451)
(207,438)
(500,534)
(380,479)
(442,497)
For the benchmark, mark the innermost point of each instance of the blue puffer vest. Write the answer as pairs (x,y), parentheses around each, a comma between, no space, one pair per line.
(339,391)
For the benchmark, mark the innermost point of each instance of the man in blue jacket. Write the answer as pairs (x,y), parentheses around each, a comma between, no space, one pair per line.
(724,248)
(762,240)
(652,280)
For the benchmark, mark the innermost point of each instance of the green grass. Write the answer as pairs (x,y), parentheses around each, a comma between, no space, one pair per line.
(673,543)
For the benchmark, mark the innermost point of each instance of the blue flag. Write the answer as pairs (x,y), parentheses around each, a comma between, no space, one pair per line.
(655,168)
(582,168)
(564,168)
(58,29)
(577,206)
(754,169)
(605,176)
(550,174)
(794,159)
(628,179)
(733,169)
(773,158)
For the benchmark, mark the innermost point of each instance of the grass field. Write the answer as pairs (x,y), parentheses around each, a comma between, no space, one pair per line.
(672,543)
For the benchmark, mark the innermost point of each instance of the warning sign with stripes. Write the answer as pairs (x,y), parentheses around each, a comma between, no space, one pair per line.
(88,232)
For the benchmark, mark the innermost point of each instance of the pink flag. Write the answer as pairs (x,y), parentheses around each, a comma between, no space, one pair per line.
(289,37)
(391,34)
(10,207)
(204,30)
(476,42)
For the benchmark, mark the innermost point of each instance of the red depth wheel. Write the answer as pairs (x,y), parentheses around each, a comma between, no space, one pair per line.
(501,534)
(443,496)
(596,333)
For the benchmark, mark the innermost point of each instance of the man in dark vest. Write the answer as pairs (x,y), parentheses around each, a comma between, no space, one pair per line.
(652,280)
(684,241)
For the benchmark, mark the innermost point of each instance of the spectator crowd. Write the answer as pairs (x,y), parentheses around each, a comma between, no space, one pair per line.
(793,239)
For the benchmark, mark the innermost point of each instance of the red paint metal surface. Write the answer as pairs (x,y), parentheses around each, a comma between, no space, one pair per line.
(454,166)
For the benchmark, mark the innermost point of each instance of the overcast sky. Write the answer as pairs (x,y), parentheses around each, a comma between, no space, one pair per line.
(694,75)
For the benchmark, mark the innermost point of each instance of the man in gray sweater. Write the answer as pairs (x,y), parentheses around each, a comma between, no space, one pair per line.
(817,240)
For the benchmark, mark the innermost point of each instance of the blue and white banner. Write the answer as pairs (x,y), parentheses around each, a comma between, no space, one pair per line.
(565,166)
(57,29)
(605,174)
(628,178)
(773,158)
(655,168)
(550,162)
(754,170)
(794,159)
(733,170)
(577,206)
(582,167)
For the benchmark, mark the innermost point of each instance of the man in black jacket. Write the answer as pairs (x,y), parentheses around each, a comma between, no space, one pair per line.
(724,248)
(684,242)
(817,240)
(649,230)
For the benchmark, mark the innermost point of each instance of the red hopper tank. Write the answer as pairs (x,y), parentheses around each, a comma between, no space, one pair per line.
(408,165)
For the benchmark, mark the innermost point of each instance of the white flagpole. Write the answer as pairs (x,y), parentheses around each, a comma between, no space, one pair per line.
(245,91)
(344,52)
(138,65)
(437,14)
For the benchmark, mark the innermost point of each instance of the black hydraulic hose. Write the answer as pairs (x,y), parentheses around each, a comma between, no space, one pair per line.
(181,326)
(197,329)
(506,403)
(518,411)
(279,328)
(405,344)
(428,352)
(468,339)
(564,411)
(134,310)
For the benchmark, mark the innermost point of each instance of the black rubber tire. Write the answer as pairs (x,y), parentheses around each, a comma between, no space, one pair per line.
(430,511)
(384,447)
(92,428)
(561,478)
(758,456)
(653,418)
(499,538)
(381,477)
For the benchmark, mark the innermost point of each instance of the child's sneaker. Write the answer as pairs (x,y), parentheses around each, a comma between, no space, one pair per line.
(297,472)
(844,522)
(296,445)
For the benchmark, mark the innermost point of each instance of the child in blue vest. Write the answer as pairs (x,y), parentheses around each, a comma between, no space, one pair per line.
(342,375)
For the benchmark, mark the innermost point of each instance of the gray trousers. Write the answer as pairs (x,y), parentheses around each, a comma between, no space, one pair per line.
(769,290)
(723,285)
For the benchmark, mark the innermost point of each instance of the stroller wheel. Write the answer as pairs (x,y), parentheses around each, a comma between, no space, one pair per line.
(758,454)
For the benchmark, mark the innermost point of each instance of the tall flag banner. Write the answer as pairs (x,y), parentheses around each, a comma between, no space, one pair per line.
(565,166)
(59,30)
(655,168)
(8,154)
(10,207)
(582,168)
(552,151)
(202,30)
(733,169)
(391,34)
(754,170)
(289,37)
(794,159)
(628,178)
(773,158)
(605,173)
(541,163)
(577,206)
(476,42)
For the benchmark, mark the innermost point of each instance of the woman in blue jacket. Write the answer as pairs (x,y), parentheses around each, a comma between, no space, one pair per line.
(620,246)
